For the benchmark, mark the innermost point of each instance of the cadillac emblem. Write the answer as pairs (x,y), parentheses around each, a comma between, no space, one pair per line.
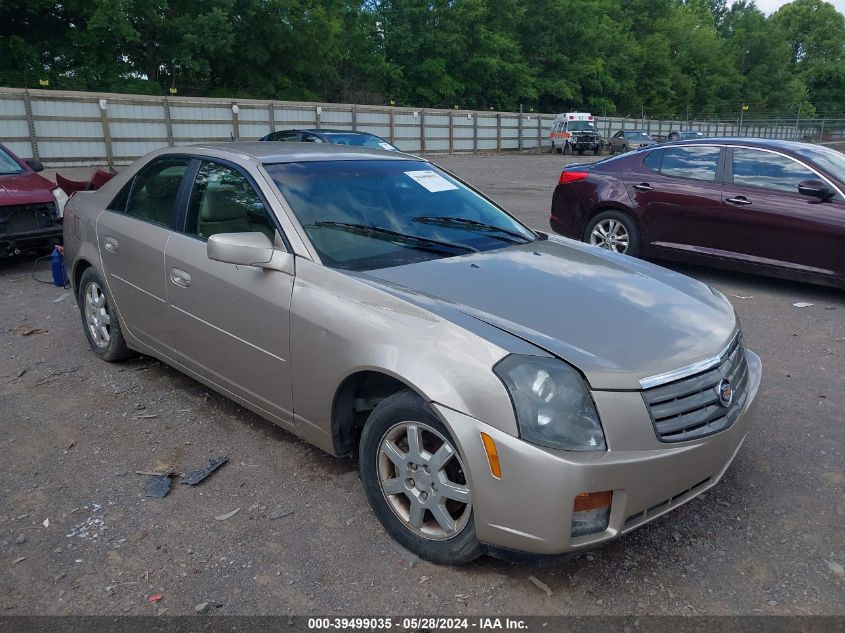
(726,393)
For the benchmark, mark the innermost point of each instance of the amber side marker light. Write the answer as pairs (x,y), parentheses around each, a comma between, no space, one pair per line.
(492,455)
(590,512)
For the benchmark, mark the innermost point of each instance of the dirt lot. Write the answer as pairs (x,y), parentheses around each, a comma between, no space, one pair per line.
(78,536)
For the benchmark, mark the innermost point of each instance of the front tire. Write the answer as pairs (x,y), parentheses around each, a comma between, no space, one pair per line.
(567,149)
(415,480)
(99,319)
(615,231)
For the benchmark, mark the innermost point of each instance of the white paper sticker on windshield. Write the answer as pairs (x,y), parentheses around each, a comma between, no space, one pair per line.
(431,180)
(386,146)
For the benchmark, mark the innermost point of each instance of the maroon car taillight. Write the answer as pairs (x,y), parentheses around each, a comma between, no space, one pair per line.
(572,176)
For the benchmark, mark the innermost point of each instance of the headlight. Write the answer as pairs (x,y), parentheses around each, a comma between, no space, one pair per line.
(552,404)
(61,199)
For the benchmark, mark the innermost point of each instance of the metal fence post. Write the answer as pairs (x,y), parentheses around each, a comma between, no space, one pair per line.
(392,126)
(236,131)
(318,114)
(104,120)
(498,131)
(270,111)
(451,132)
(422,131)
(539,131)
(168,122)
(354,118)
(519,131)
(821,132)
(30,124)
(475,132)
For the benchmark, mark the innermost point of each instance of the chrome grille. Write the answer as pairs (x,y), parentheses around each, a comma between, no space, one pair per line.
(690,408)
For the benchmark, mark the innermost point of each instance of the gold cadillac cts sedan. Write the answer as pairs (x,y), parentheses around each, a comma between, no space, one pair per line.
(503,390)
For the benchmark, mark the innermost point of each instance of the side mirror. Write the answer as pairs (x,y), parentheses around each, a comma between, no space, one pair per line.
(35,165)
(815,189)
(245,249)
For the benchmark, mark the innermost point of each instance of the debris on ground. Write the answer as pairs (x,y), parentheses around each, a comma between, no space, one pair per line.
(541,586)
(202,607)
(228,515)
(280,513)
(836,568)
(61,298)
(46,523)
(146,416)
(743,296)
(196,476)
(19,560)
(158,486)
(27,330)
(802,304)
(20,540)
(154,598)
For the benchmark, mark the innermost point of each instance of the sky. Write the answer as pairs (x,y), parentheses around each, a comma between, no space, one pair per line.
(769,6)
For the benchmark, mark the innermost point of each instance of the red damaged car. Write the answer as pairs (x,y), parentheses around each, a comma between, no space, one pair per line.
(763,206)
(31,207)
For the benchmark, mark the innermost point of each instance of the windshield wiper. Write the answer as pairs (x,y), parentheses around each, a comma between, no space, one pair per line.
(466,223)
(391,235)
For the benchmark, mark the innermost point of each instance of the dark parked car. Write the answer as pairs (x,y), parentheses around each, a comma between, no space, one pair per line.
(684,135)
(31,206)
(337,137)
(765,206)
(629,139)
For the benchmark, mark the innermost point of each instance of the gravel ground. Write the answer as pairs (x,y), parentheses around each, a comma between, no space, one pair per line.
(78,536)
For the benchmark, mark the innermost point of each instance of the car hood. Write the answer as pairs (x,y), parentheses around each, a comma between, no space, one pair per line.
(616,318)
(26,188)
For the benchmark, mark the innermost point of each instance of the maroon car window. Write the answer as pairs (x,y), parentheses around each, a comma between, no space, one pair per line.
(155,189)
(652,160)
(697,163)
(9,165)
(753,168)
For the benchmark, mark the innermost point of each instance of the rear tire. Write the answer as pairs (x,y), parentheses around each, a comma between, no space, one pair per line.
(412,487)
(616,231)
(99,318)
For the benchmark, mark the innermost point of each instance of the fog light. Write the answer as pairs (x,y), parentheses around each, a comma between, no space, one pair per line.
(591,512)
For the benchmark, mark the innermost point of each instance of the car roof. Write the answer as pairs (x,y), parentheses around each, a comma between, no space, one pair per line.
(764,143)
(299,152)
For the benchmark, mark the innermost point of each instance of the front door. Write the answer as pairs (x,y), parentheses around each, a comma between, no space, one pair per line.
(678,193)
(233,321)
(767,222)
(131,234)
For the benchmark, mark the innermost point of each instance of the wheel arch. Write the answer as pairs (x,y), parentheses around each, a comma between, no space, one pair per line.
(79,268)
(356,396)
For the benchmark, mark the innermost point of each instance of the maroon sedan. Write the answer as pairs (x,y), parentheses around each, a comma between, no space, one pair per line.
(31,206)
(763,206)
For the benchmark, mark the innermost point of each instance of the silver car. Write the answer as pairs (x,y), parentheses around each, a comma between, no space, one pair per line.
(502,389)
(625,140)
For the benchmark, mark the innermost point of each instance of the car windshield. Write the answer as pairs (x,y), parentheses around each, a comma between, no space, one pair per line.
(582,125)
(828,159)
(9,165)
(370,214)
(691,134)
(637,135)
(358,140)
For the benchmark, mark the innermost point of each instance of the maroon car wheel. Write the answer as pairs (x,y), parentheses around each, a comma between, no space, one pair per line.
(615,231)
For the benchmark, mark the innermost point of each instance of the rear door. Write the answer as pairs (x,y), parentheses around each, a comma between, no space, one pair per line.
(677,192)
(767,222)
(131,235)
(232,321)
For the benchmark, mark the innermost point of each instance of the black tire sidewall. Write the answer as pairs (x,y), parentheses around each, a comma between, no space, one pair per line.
(634,236)
(402,407)
(116,349)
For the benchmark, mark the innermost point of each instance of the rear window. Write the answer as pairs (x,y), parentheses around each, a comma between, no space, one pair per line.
(696,163)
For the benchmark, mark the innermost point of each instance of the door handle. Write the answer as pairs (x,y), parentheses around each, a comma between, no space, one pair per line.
(110,244)
(180,277)
(643,186)
(739,200)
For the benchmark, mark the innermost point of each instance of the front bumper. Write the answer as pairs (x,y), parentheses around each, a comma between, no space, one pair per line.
(14,243)
(530,508)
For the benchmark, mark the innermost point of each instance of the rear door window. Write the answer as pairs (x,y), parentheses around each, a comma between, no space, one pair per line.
(696,163)
(153,192)
(753,168)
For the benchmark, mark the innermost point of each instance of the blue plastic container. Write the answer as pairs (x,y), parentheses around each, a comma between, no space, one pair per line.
(57,261)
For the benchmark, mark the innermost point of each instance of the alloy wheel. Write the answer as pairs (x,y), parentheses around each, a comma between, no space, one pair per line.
(97,315)
(423,480)
(610,234)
